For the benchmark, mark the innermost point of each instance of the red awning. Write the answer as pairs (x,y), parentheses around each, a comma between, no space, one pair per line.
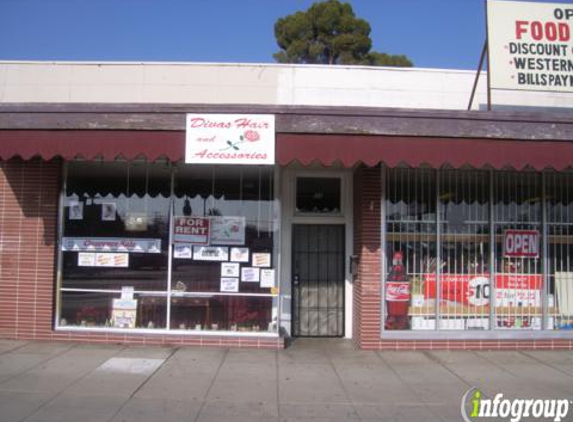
(91,144)
(326,149)
(415,151)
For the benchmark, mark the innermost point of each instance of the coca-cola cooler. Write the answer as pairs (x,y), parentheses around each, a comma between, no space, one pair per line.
(397,295)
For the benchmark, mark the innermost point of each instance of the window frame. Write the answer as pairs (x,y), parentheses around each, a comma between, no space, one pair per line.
(168,294)
(316,175)
(493,332)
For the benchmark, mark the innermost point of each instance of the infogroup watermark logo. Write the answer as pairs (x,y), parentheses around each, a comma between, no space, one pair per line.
(475,407)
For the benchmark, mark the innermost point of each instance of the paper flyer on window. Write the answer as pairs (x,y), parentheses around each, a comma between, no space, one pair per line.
(228,230)
(250,274)
(229,284)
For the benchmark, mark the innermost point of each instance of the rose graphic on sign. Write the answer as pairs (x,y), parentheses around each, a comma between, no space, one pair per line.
(249,136)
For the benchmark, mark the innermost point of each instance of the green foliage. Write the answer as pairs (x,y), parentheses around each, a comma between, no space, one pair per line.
(382,59)
(329,33)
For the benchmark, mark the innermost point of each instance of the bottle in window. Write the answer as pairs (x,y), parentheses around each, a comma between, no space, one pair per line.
(397,295)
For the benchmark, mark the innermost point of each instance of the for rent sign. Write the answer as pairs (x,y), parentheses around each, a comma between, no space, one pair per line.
(530,46)
(193,230)
(230,139)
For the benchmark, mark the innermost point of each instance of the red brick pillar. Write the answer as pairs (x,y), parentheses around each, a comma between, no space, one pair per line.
(28,230)
(367,238)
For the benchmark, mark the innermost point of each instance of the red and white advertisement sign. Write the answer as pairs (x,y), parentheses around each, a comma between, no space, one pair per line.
(193,230)
(521,244)
(230,139)
(397,291)
(110,244)
(529,45)
(474,289)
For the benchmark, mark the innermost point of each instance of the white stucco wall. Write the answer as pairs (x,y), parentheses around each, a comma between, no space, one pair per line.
(273,84)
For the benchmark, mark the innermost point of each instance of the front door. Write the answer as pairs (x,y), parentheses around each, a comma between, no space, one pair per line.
(318,280)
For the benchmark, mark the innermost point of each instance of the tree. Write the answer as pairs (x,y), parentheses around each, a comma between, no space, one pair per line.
(382,59)
(329,33)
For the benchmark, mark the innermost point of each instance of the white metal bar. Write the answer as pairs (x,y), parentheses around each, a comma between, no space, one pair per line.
(438,251)
(164,331)
(170,248)
(492,246)
(383,245)
(60,255)
(544,253)
(166,294)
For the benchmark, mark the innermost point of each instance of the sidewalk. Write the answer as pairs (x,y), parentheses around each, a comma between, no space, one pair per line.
(326,380)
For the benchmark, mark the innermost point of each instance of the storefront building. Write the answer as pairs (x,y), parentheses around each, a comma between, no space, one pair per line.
(397,220)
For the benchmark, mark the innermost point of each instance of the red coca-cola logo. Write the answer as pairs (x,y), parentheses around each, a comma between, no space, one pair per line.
(398,291)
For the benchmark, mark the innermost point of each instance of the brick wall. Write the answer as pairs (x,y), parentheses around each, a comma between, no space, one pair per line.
(29,193)
(28,227)
(367,298)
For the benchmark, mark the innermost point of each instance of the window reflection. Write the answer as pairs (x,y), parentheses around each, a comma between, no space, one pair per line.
(117,201)
(449,283)
(115,247)
(318,194)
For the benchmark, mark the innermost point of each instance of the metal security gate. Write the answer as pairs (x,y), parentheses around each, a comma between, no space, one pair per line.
(318,280)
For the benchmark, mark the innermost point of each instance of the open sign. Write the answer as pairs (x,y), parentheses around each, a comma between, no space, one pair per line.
(521,244)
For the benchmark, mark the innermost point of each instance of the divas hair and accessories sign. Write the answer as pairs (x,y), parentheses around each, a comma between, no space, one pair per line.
(230,139)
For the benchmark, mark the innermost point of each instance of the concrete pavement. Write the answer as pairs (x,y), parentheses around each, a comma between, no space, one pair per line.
(326,380)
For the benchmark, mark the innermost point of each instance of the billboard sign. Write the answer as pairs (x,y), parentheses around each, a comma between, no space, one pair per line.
(529,46)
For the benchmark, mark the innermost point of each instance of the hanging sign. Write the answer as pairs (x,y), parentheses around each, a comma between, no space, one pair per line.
(110,244)
(529,46)
(194,230)
(230,139)
(521,244)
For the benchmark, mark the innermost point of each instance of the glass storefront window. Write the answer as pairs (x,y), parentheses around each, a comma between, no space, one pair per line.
(559,193)
(464,250)
(227,283)
(115,238)
(318,195)
(117,242)
(410,245)
(517,203)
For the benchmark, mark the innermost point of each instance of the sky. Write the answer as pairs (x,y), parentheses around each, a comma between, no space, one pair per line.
(432,33)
